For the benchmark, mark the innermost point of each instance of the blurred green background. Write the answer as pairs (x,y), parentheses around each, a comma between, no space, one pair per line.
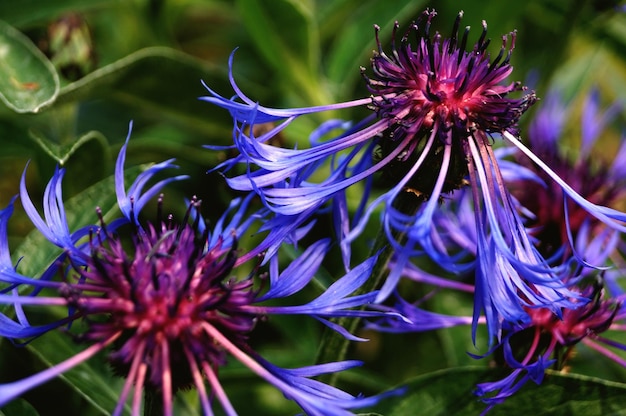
(73,74)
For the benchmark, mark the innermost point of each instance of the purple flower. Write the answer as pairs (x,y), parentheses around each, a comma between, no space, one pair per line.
(160,298)
(549,341)
(555,221)
(563,232)
(437,110)
(566,231)
(528,349)
(429,102)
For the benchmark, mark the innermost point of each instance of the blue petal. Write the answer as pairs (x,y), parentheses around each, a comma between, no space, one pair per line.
(133,201)
(297,274)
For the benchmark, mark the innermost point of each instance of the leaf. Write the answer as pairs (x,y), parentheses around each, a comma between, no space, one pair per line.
(294,19)
(449,392)
(352,46)
(60,154)
(28,80)
(593,66)
(92,380)
(293,50)
(167,93)
(28,11)
(18,407)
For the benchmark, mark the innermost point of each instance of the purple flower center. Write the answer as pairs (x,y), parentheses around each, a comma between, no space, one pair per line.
(439,88)
(159,295)
(548,335)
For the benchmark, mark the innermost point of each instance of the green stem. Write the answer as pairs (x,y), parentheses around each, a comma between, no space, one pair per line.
(152,402)
(333,346)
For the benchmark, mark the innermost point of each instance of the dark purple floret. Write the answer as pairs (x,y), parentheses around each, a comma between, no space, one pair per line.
(166,302)
(594,176)
(439,88)
(157,296)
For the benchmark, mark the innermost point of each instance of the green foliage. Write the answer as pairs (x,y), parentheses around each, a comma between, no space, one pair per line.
(143,60)
(28,81)
(449,392)
(19,407)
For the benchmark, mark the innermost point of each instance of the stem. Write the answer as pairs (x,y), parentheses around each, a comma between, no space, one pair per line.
(333,346)
(152,402)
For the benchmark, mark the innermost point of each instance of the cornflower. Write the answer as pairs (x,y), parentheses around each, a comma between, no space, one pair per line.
(529,349)
(555,221)
(562,232)
(161,299)
(543,341)
(437,110)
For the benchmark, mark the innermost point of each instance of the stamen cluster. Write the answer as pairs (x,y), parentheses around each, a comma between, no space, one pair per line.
(159,296)
(441,88)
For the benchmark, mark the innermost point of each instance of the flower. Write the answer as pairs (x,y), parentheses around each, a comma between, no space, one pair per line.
(562,232)
(437,109)
(550,341)
(161,299)
(428,102)
(545,341)
(555,221)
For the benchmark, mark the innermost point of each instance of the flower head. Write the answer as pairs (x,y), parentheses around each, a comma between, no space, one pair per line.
(566,231)
(543,342)
(557,222)
(426,97)
(162,299)
(438,106)
(549,342)
(436,87)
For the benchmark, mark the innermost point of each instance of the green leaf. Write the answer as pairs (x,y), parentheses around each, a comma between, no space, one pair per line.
(173,75)
(352,46)
(91,380)
(293,49)
(593,66)
(28,80)
(18,407)
(449,392)
(29,11)
(61,153)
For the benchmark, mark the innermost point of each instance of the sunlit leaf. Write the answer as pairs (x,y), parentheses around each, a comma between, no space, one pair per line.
(294,56)
(28,80)
(450,392)
(352,46)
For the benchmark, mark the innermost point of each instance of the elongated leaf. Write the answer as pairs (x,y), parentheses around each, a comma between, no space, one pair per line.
(27,11)
(60,154)
(28,80)
(173,74)
(353,45)
(290,17)
(449,392)
(18,408)
(284,32)
(593,65)
(92,380)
